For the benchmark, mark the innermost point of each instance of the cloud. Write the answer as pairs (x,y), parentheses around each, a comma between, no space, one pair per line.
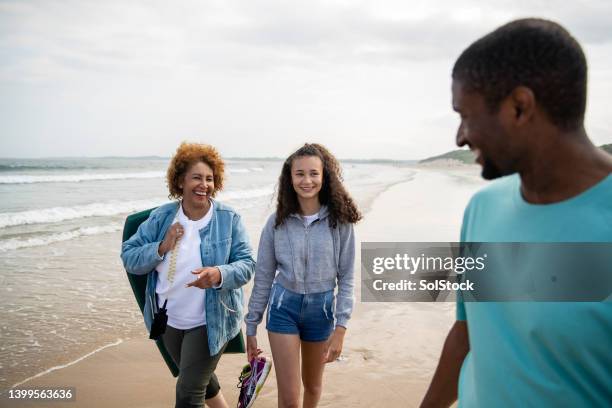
(150,73)
(118,37)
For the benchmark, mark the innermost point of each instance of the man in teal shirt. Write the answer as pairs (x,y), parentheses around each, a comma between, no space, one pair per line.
(521,94)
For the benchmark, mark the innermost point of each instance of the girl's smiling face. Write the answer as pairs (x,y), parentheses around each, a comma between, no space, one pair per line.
(307,176)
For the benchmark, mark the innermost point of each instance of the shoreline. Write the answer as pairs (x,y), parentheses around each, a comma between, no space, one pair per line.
(60,367)
(112,364)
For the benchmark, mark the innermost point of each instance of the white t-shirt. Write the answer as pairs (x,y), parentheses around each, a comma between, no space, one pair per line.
(309,219)
(186,306)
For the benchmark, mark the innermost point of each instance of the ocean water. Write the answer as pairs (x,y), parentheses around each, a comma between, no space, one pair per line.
(63,288)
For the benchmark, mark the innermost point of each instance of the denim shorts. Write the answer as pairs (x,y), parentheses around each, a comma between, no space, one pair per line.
(311,316)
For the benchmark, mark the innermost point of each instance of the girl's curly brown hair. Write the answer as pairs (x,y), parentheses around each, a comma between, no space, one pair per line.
(188,154)
(342,208)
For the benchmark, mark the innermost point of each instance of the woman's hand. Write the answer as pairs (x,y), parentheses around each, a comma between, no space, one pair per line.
(207,277)
(334,345)
(252,350)
(174,233)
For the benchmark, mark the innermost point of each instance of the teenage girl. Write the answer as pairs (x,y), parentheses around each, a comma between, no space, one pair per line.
(307,248)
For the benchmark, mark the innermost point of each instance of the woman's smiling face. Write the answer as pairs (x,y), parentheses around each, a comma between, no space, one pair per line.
(198,185)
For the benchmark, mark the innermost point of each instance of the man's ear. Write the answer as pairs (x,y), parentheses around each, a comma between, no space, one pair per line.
(524,103)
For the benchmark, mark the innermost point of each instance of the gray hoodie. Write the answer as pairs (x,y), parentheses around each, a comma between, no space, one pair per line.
(304,260)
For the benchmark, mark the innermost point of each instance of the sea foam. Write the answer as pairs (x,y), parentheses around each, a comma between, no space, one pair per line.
(110,208)
(16,243)
(76,178)
(58,214)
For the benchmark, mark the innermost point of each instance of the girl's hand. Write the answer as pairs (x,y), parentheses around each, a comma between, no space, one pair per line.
(174,233)
(334,345)
(252,350)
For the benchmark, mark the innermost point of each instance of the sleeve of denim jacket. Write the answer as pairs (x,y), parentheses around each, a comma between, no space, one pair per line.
(139,253)
(346,275)
(239,269)
(264,276)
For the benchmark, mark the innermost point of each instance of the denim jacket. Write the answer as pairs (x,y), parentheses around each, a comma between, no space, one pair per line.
(224,244)
(310,259)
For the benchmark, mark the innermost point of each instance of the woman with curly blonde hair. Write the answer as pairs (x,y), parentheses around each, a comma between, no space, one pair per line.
(307,248)
(197,256)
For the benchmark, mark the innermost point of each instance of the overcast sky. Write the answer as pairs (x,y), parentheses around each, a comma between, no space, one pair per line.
(370,79)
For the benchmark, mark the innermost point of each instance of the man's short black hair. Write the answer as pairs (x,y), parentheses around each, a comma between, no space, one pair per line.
(535,53)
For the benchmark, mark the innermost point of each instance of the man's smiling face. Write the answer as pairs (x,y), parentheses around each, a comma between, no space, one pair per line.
(484,132)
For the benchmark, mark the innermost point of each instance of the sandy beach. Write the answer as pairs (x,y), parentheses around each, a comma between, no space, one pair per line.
(390,350)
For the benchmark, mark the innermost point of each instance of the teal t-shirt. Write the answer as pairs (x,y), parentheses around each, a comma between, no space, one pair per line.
(537,354)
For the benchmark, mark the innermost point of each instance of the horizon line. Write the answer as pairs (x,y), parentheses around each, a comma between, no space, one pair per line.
(272,158)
